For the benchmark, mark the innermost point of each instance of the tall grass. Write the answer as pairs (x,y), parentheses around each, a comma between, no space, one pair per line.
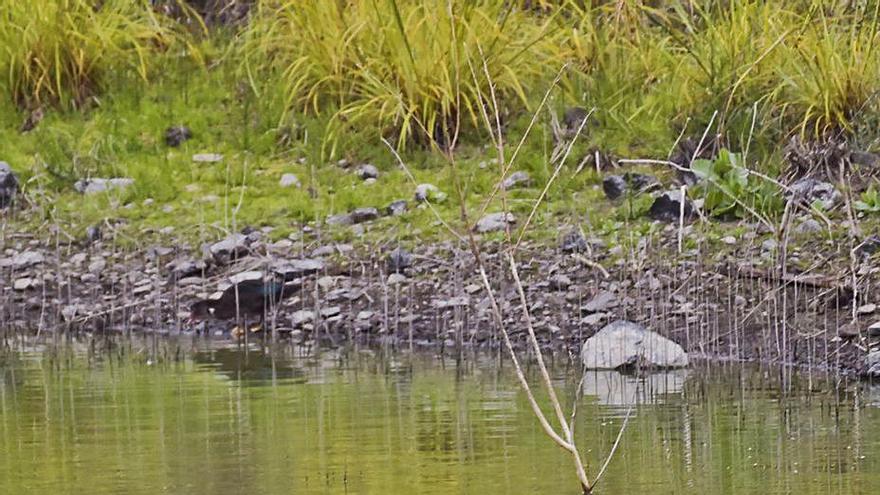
(61,52)
(405,68)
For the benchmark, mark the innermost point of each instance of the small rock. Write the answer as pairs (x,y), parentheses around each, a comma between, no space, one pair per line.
(8,185)
(24,284)
(396,278)
(397,208)
(429,192)
(667,207)
(340,219)
(626,345)
(740,301)
(181,268)
(367,171)
(729,240)
(808,226)
(769,245)
(365,315)
(398,261)
(230,248)
(98,185)
(516,179)
(362,215)
(207,157)
(452,302)
(494,222)
(301,317)
(573,242)
(866,309)
(293,269)
(93,234)
(97,266)
(560,282)
(602,301)
(872,365)
(26,259)
(326,283)
(869,246)
(616,186)
(330,312)
(176,135)
(472,288)
(594,319)
(289,180)
(811,191)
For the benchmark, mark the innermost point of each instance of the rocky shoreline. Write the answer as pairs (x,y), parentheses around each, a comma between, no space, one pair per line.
(708,300)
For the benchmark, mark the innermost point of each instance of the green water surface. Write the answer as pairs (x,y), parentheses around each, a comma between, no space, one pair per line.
(227,421)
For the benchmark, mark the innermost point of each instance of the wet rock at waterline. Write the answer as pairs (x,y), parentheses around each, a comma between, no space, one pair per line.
(98,185)
(176,135)
(626,345)
(810,191)
(397,208)
(616,186)
(872,365)
(398,260)
(367,171)
(494,222)
(667,207)
(516,179)
(8,185)
(289,180)
(429,192)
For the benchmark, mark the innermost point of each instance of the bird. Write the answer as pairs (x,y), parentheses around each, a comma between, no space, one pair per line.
(245,299)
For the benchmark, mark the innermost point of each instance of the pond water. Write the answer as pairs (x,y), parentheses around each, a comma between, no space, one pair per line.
(226,421)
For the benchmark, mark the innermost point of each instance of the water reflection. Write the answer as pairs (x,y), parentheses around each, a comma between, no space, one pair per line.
(235,421)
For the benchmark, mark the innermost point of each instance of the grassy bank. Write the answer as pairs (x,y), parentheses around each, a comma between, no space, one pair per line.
(300,87)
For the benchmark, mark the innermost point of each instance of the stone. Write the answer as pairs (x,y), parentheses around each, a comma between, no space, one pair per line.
(574,242)
(494,222)
(289,180)
(365,315)
(26,259)
(626,345)
(429,192)
(729,240)
(326,283)
(398,260)
(8,185)
(560,282)
(397,208)
(396,279)
(21,284)
(866,309)
(600,302)
(367,171)
(232,247)
(808,226)
(871,367)
(93,234)
(97,266)
(868,246)
(176,135)
(293,269)
(667,207)
(874,329)
(616,186)
(181,268)
(362,215)
(594,319)
(301,317)
(769,245)
(207,157)
(810,191)
(340,219)
(99,185)
(516,179)
(330,312)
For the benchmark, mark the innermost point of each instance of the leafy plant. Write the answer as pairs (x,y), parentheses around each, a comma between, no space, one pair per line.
(869,201)
(729,189)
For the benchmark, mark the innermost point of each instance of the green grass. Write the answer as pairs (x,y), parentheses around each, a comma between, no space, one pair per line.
(304,85)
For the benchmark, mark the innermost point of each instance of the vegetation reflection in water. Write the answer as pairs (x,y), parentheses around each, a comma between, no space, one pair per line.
(229,422)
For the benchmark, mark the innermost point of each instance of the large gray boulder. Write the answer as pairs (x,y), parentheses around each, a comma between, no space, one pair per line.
(624,345)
